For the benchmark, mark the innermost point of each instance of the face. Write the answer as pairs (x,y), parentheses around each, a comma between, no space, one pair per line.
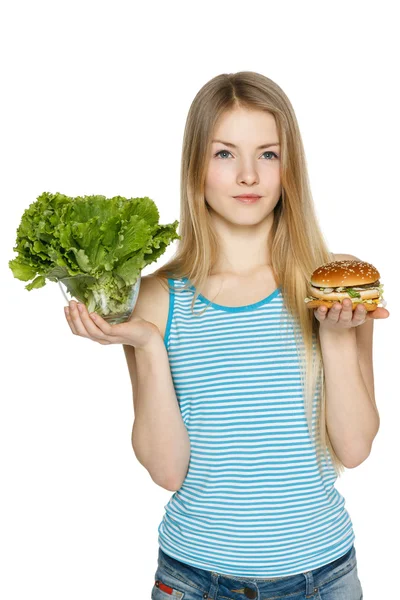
(245,169)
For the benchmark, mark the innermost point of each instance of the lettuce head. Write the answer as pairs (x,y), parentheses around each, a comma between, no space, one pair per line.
(103,243)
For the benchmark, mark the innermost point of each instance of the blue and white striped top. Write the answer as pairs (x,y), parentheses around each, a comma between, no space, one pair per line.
(253,503)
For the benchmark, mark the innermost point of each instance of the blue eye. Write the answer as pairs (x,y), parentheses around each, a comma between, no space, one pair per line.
(217,154)
(227,151)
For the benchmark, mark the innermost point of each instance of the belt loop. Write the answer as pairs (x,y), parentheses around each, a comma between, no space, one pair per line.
(310,589)
(212,592)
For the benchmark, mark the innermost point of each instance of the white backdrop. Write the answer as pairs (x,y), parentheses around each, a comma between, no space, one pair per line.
(94,101)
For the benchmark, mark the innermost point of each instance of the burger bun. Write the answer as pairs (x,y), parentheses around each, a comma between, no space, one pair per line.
(329,303)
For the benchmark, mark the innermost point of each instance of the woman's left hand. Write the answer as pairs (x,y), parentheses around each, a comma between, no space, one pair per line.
(341,315)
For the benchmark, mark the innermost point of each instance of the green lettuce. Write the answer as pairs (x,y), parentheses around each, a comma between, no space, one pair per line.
(353,293)
(104,243)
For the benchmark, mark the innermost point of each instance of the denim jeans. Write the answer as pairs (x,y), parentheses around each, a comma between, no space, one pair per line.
(337,580)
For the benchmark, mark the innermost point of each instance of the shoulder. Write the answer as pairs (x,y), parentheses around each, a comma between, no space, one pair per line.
(153,301)
(345,257)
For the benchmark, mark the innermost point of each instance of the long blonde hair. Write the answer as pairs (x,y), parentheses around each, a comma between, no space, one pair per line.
(296,244)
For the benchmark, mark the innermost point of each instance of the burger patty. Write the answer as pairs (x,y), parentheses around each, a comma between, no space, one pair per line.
(364,287)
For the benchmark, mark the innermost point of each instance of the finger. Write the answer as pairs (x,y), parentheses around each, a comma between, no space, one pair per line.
(105,328)
(76,319)
(90,325)
(69,319)
(360,314)
(379,313)
(334,312)
(320,313)
(346,314)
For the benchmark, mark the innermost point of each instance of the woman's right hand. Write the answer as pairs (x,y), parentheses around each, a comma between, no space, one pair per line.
(135,332)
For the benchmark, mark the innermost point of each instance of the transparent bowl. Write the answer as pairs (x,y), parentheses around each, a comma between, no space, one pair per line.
(109,309)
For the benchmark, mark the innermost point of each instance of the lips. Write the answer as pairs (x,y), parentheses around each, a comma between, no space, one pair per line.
(248,198)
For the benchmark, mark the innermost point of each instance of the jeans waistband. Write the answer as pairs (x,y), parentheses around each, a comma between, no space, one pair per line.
(213,581)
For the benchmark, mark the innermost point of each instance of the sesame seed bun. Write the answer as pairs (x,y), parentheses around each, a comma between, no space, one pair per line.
(344,273)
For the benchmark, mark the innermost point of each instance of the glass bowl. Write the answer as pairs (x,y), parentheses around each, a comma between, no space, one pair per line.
(100,299)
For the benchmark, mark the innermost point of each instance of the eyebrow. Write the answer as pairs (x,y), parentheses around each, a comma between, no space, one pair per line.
(233,145)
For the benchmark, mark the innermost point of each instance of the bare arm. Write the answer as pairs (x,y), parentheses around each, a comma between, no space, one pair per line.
(160,439)
(352,418)
(159,436)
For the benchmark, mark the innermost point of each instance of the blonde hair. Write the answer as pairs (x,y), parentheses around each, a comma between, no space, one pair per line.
(296,244)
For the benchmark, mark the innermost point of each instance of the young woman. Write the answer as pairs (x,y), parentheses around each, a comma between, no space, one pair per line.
(247,404)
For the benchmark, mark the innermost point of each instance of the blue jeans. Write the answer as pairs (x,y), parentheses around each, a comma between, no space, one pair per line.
(337,580)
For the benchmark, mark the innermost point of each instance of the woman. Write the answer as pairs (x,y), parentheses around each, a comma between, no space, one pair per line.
(223,416)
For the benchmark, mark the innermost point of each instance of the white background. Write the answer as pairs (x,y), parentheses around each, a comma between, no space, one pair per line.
(94,101)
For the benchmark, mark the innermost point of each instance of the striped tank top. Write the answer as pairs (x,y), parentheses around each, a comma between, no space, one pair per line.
(253,503)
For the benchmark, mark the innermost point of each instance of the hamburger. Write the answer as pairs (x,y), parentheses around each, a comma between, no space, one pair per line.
(354,279)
